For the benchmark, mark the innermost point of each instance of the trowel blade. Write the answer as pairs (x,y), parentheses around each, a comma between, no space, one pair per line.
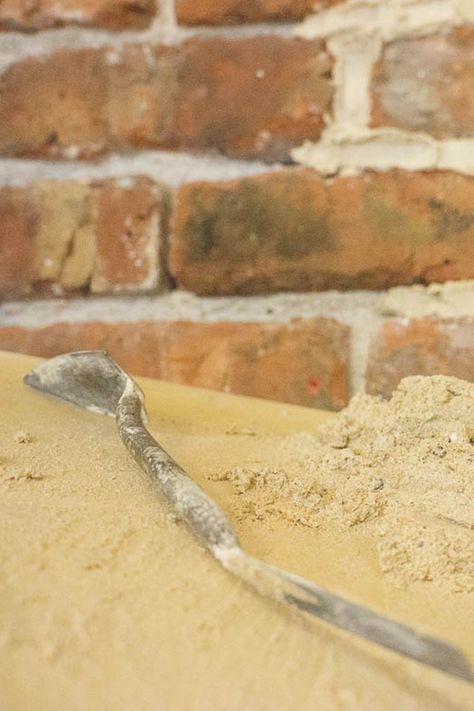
(382,630)
(89,379)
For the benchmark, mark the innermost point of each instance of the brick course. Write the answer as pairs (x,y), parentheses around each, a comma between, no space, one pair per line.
(304,362)
(293,230)
(256,97)
(285,230)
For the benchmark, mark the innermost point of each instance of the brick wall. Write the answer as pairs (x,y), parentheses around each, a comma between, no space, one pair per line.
(273,197)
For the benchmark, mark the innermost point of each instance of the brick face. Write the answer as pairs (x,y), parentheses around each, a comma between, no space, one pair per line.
(80,103)
(292,230)
(128,225)
(303,362)
(62,209)
(58,237)
(32,15)
(420,347)
(235,12)
(287,230)
(256,97)
(425,84)
(17,223)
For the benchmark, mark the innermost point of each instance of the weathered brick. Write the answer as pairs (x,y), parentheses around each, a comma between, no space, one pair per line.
(252,97)
(425,84)
(303,362)
(128,228)
(420,347)
(256,97)
(47,104)
(81,103)
(61,236)
(141,85)
(235,12)
(32,15)
(62,208)
(293,230)
(17,227)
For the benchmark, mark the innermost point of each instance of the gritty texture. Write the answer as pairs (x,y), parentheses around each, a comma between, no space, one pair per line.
(171,168)
(293,230)
(423,84)
(450,300)
(401,469)
(108,602)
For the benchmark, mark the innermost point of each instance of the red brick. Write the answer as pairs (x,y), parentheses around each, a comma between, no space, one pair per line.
(50,105)
(304,362)
(64,237)
(58,237)
(252,97)
(128,226)
(235,12)
(294,231)
(256,97)
(17,226)
(32,15)
(426,84)
(141,86)
(420,347)
(81,103)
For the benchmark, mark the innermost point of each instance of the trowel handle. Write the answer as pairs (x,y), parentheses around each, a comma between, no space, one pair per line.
(189,502)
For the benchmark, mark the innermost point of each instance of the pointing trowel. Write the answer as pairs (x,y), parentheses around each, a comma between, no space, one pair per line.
(92,380)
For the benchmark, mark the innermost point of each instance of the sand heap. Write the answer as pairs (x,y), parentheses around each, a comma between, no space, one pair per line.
(403,469)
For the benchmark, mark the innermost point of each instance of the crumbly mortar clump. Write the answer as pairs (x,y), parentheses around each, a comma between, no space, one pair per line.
(403,469)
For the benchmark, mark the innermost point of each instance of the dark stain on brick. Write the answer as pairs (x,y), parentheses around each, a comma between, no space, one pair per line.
(252,222)
(200,232)
(450,222)
(311,234)
(391,220)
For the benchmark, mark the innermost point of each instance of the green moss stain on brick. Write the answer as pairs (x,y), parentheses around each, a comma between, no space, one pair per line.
(450,222)
(391,221)
(257,219)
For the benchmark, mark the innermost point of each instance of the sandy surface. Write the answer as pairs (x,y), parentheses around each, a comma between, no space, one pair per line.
(402,470)
(106,602)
